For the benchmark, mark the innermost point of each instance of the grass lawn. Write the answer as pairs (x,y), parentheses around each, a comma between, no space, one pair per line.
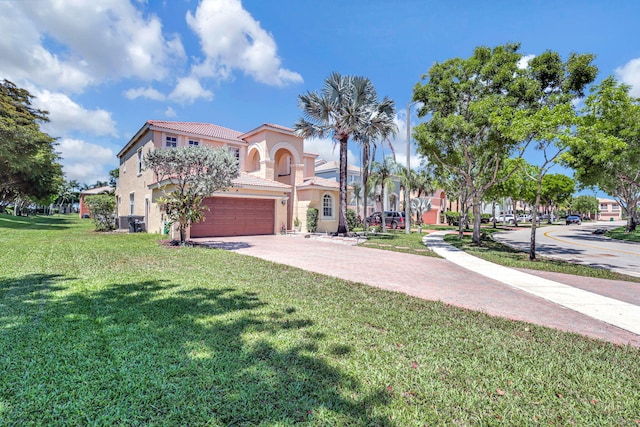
(115,329)
(620,234)
(510,257)
(398,241)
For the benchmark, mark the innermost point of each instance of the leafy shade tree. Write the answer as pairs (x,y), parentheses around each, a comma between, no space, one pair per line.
(557,189)
(347,107)
(551,122)
(29,167)
(382,175)
(114,174)
(585,205)
(464,98)
(513,186)
(606,152)
(102,208)
(186,175)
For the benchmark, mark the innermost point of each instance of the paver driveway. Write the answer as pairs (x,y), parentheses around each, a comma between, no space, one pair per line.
(425,277)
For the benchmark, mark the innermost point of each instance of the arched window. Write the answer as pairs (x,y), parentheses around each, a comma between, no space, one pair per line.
(327,206)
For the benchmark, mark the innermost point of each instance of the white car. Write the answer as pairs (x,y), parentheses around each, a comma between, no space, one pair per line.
(505,218)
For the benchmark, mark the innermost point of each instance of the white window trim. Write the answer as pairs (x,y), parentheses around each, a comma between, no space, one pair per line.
(166,137)
(333,207)
(132,203)
(139,160)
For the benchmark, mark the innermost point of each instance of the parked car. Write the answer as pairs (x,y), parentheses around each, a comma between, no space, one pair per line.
(505,218)
(391,219)
(574,219)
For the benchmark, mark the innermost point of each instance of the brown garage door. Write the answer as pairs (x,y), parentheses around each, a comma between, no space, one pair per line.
(230,216)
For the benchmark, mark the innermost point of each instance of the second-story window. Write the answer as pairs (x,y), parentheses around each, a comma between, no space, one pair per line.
(171,142)
(236,153)
(139,161)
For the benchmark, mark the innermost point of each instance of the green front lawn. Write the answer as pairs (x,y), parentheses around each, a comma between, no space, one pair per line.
(398,241)
(620,234)
(115,329)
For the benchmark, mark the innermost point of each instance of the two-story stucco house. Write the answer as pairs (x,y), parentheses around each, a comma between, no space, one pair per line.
(277,182)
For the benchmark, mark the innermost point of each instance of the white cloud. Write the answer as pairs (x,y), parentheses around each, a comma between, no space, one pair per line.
(328,150)
(629,73)
(94,41)
(144,92)
(67,116)
(170,112)
(188,90)
(232,39)
(85,162)
(524,61)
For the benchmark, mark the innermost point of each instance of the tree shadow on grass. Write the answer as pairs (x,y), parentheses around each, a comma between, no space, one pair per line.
(38,222)
(158,352)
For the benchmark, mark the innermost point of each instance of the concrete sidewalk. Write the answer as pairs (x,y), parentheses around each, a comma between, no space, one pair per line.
(615,312)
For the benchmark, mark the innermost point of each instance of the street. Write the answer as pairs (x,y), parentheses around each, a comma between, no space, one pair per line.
(577,243)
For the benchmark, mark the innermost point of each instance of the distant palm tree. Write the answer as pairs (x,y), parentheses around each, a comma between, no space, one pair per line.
(419,206)
(381,175)
(346,107)
(357,195)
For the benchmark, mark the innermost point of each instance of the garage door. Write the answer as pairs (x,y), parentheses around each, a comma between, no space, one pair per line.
(230,216)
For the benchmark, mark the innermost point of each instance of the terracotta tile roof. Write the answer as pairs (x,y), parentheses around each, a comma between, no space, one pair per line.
(204,129)
(279,127)
(250,180)
(316,181)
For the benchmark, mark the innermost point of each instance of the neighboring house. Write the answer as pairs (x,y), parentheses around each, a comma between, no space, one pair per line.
(83,209)
(393,198)
(276,183)
(610,210)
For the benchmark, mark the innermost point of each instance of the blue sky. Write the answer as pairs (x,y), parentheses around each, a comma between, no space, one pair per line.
(104,67)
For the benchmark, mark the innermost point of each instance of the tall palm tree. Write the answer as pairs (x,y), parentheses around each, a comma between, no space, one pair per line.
(357,195)
(382,175)
(346,107)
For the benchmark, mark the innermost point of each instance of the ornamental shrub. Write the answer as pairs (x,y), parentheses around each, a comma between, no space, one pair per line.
(102,209)
(312,220)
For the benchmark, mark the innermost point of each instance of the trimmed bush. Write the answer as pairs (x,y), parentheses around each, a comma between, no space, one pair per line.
(352,219)
(312,220)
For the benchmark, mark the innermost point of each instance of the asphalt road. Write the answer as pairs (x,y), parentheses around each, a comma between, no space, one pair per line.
(577,243)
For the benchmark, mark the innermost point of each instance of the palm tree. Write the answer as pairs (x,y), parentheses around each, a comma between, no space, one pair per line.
(346,107)
(382,175)
(357,194)
(419,206)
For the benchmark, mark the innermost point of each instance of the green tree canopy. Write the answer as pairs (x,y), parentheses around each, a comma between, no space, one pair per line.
(29,165)
(186,175)
(463,97)
(606,152)
(585,205)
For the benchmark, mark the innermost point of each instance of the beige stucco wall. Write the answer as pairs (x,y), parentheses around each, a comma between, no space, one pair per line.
(132,182)
(312,198)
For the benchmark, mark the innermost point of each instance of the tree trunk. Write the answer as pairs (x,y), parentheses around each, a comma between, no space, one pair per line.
(493,213)
(365,182)
(476,220)
(384,221)
(534,222)
(342,208)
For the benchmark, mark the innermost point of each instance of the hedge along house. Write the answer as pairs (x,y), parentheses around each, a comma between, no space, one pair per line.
(277,182)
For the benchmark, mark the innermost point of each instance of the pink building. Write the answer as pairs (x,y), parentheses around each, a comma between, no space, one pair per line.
(610,210)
